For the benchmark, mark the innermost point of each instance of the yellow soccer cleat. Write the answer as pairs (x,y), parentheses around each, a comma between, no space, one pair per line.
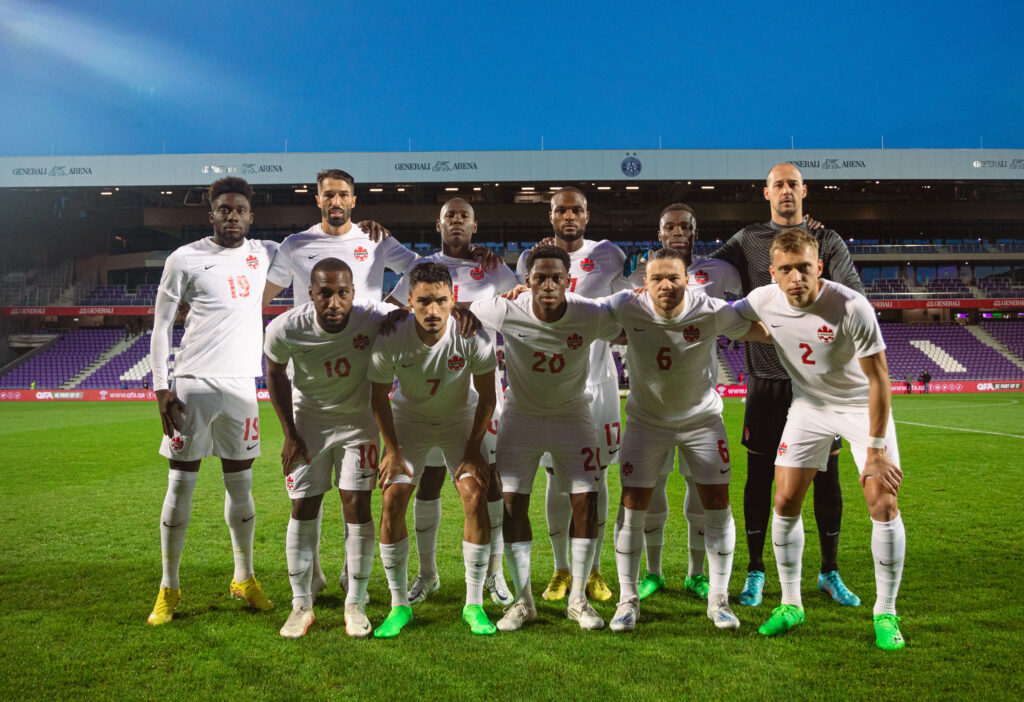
(166,601)
(597,588)
(558,586)
(252,593)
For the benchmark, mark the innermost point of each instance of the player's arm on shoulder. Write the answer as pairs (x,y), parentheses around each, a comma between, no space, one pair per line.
(375,230)
(392,464)
(473,461)
(731,251)
(490,312)
(879,465)
(279,274)
(469,323)
(747,307)
(521,266)
(280,389)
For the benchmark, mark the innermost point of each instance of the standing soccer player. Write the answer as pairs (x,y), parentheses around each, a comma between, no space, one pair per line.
(471,281)
(328,431)
(596,271)
(769,390)
(434,407)
(829,342)
(548,333)
(211,409)
(677,230)
(673,334)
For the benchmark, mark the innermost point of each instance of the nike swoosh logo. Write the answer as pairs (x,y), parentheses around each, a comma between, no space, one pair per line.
(313,256)
(778,544)
(725,554)
(776,326)
(650,531)
(883,563)
(295,575)
(250,448)
(723,472)
(831,533)
(751,533)
(421,531)
(248,519)
(206,268)
(408,365)
(480,565)
(638,330)
(356,577)
(172,526)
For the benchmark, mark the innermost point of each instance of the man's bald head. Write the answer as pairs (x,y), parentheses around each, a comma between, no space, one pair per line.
(458,203)
(783,170)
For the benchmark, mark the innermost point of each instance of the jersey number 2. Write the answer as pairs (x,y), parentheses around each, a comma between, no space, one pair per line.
(806,358)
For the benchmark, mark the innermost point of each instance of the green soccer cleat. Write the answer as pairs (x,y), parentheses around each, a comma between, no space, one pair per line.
(831,583)
(887,632)
(479,624)
(784,617)
(698,585)
(392,626)
(649,585)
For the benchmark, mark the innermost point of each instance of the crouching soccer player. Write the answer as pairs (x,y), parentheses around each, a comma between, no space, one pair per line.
(434,406)
(829,341)
(328,431)
(673,336)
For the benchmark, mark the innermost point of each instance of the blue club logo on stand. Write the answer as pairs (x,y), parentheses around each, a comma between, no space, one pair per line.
(631,166)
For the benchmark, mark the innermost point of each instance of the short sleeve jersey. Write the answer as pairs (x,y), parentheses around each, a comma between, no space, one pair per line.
(330,369)
(711,276)
(547,362)
(434,382)
(223,288)
(819,345)
(596,270)
(470,280)
(674,361)
(367,259)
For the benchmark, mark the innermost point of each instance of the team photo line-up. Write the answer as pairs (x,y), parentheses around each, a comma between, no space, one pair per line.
(348,371)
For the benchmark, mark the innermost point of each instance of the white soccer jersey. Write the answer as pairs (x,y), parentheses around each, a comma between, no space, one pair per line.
(672,361)
(300,252)
(330,369)
(596,271)
(547,363)
(470,280)
(224,289)
(434,382)
(712,276)
(820,345)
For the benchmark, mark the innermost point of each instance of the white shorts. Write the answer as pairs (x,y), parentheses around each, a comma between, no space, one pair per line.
(221,418)
(703,452)
(522,439)
(436,458)
(607,418)
(810,431)
(345,456)
(419,439)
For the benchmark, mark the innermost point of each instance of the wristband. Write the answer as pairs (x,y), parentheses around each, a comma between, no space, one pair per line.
(876,442)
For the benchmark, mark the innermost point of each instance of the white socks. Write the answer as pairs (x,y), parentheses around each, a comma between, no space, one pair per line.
(300,547)
(602,519)
(518,555)
(359,558)
(720,537)
(582,558)
(426,515)
(888,548)
(240,515)
(395,558)
(496,513)
(174,519)
(629,543)
(693,508)
(476,558)
(788,539)
(558,509)
(654,525)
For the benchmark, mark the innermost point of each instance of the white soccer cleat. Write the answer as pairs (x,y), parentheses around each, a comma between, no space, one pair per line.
(421,588)
(580,610)
(720,613)
(356,622)
(627,614)
(298,622)
(500,593)
(517,616)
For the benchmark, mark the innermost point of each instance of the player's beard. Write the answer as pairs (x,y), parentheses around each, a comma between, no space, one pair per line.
(336,220)
(574,236)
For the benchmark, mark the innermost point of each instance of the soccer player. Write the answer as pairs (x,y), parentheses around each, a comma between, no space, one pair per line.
(829,341)
(596,271)
(769,391)
(471,281)
(673,335)
(434,407)
(677,230)
(211,409)
(329,436)
(548,333)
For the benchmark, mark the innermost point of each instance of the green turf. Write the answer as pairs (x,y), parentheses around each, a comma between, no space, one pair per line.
(81,491)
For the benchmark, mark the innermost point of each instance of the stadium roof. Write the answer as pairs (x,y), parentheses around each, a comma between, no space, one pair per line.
(514,166)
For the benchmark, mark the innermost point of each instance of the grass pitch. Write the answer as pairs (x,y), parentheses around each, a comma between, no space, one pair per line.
(80,567)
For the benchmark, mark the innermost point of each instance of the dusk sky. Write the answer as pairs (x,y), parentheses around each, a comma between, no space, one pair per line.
(141,77)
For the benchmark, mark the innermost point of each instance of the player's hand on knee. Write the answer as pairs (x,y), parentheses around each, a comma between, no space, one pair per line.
(515,292)
(375,230)
(294,450)
(486,258)
(469,324)
(392,465)
(391,320)
(882,468)
(475,466)
(171,409)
